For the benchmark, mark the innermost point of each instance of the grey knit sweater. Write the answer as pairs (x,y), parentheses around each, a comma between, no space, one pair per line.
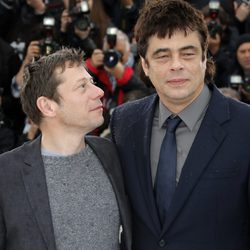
(84,210)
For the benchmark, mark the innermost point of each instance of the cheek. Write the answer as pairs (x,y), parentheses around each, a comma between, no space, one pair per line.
(157,71)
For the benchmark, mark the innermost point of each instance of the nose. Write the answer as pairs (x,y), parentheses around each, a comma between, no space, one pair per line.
(248,53)
(97,92)
(176,63)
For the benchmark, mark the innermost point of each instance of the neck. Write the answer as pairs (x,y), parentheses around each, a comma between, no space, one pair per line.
(176,106)
(64,144)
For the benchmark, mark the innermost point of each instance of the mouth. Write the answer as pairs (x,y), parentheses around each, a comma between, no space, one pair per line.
(99,107)
(177,81)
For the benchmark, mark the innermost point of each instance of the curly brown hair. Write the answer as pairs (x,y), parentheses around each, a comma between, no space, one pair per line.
(163,18)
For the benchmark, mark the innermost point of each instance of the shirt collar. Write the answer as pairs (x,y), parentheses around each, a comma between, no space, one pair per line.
(192,113)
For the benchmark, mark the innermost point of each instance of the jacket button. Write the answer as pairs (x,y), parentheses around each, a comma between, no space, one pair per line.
(162,243)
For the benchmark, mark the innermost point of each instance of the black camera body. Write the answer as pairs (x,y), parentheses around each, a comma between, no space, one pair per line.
(111,56)
(47,46)
(238,80)
(213,26)
(47,43)
(80,16)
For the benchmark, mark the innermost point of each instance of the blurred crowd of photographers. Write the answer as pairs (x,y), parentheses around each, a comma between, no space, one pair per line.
(103,29)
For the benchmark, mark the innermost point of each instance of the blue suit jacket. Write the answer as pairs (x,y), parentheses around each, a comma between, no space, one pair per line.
(210,209)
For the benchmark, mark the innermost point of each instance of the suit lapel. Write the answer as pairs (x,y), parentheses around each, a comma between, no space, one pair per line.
(110,164)
(208,139)
(103,153)
(141,138)
(35,185)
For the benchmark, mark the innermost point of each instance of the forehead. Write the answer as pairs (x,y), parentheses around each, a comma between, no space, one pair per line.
(71,72)
(120,44)
(177,41)
(244,46)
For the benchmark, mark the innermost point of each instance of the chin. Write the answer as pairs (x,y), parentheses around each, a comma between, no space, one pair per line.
(100,122)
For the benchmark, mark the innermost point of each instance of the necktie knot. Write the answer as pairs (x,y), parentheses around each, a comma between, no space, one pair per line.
(172,123)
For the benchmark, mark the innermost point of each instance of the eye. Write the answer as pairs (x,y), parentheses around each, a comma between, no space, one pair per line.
(162,57)
(92,81)
(188,54)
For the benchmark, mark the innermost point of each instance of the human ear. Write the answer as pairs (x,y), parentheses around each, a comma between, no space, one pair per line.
(46,106)
(144,64)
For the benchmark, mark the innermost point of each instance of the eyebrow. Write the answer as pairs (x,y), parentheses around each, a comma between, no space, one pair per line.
(84,79)
(156,52)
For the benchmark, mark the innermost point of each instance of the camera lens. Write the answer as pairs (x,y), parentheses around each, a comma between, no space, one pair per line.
(246,84)
(111,58)
(82,23)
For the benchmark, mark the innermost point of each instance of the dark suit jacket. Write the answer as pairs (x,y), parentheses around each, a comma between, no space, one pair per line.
(25,216)
(210,209)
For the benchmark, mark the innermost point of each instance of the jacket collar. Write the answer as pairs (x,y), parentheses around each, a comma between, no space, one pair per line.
(34,179)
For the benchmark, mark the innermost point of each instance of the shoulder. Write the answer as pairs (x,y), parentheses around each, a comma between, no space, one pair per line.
(98,141)
(100,145)
(105,150)
(239,110)
(17,155)
(12,154)
(133,109)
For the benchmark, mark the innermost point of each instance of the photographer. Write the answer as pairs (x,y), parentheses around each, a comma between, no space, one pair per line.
(11,112)
(76,27)
(123,13)
(33,50)
(112,69)
(241,69)
(242,11)
(221,40)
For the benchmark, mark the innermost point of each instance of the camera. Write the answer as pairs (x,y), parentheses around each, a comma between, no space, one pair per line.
(213,26)
(246,84)
(47,44)
(80,15)
(111,56)
(237,80)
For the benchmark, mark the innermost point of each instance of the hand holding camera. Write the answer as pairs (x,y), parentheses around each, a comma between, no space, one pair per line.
(213,26)
(240,83)
(33,50)
(242,9)
(79,13)
(98,58)
(48,45)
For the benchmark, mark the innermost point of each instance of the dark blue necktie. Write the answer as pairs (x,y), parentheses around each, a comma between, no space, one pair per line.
(165,182)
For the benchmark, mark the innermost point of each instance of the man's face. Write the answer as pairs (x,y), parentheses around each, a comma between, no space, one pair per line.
(243,56)
(80,107)
(176,69)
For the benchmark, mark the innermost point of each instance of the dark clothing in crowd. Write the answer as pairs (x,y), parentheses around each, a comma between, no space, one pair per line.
(9,66)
